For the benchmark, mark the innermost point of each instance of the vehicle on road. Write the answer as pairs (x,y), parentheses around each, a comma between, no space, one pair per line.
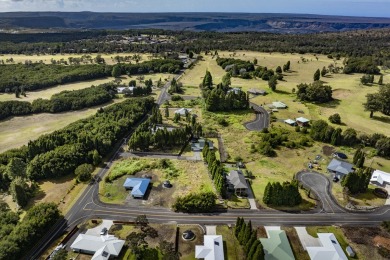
(103,231)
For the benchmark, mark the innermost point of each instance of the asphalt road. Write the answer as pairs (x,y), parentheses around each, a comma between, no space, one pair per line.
(261,121)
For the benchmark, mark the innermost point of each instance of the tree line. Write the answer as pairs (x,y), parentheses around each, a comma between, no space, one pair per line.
(195,203)
(38,76)
(286,194)
(215,169)
(18,237)
(314,92)
(247,237)
(378,102)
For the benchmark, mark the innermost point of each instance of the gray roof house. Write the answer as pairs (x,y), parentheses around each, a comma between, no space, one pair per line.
(196,147)
(237,182)
(339,168)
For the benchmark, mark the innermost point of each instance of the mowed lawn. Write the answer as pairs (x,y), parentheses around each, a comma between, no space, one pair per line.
(57,57)
(348,92)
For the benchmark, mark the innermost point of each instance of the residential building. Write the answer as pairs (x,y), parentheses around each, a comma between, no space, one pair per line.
(183,111)
(254,91)
(279,105)
(339,168)
(301,121)
(101,247)
(276,246)
(330,249)
(198,146)
(290,122)
(138,186)
(212,248)
(380,177)
(237,183)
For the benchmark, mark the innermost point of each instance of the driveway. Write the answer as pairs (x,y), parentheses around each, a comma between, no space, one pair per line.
(211,230)
(251,198)
(320,185)
(96,230)
(306,239)
(387,187)
(261,121)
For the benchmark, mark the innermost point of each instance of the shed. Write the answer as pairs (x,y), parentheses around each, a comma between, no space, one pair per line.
(380,177)
(279,105)
(301,121)
(138,186)
(290,122)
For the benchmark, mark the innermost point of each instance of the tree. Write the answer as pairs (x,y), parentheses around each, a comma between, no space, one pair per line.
(314,92)
(116,71)
(168,251)
(336,137)
(255,61)
(380,81)
(335,119)
(166,111)
(272,82)
(84,172)
(96,158)
(132,83)
(317,75)
(61,254)
(176,118)
(259,253)
(207,80)
(19,191)
(323,72)
(278,69)
(141,220)
(350,137)
(226,80)
(16,168)
(373,104)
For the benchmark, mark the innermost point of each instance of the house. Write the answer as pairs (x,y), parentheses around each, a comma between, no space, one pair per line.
(380,177)
(198,146)
(339,168)
(101,247)
(237,182)
(279,105)
(301,121)
(257,92)
(138,186)
(183,111)
(212,248)
(162,127)
(276,246)
(290,122)
(330,249)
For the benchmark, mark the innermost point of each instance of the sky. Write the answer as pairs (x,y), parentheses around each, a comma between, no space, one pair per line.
(371,8)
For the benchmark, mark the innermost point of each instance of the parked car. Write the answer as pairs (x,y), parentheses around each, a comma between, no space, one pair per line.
(335,179)
(103,231)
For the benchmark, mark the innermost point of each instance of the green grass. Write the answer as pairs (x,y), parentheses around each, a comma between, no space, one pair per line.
(113,192)
(232,249)
(238,203)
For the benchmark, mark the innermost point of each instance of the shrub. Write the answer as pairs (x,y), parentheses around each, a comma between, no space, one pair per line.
(200,202)
(335,119)
(176,98)
(84,172)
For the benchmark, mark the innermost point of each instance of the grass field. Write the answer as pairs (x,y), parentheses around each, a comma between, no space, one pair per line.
(47,93)
(47,58)
(231,246)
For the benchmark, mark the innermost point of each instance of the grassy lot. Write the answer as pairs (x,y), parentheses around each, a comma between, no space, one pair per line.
(187,248)
(338,233)
(47,58)
(299,252)
(232,249)
(185,176)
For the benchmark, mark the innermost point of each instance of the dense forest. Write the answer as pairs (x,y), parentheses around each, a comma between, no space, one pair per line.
(365,43)
(38,76)
(61,102)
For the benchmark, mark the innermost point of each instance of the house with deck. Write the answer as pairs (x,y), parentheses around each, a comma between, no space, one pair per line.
(236,182)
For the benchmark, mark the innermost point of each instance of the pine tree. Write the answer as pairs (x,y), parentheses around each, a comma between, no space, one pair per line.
(250,242)
(317,75)
(357,156)
(323,72)
(241,235)
(253,249)
(259,253)
(207,80)
(267,193)
(360,162)
(166,112)
(238,226)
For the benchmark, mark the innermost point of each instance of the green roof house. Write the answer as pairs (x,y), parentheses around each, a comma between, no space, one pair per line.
(276,246)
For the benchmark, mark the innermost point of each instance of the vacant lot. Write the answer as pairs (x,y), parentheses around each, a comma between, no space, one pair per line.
(109,58)
(185,176)
(349,94)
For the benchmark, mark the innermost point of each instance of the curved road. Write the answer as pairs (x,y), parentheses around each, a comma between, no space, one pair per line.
(88,206)
(261,121)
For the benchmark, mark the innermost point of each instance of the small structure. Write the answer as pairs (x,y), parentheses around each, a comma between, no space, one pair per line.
(240,165)
(101,247)
(380,177)
(290,122)
(330,248)
(237,182)
(188,235)
(339,168)
(138,186)
(234,90)
(350,251)
(279,105)
(167,184)
(276,246)
(212,248)
(183,111)
(198,146)
(301,121)
(122,90)
(254,91)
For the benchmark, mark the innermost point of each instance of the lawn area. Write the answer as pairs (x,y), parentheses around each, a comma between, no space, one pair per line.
(185,176)
(238,203)
(338,233)
(232,249)
(299,252)
(187,248)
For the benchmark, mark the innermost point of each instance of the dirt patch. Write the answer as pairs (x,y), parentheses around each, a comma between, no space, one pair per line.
(382,242)
(261,233)
(341,93)
(328,150)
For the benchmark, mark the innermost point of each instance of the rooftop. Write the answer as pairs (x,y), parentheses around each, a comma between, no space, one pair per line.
(103,246)
(380,177)
(340,166)
(276,246)
(302,120)
(183,111)
(138,186)
(279,104)
(330,249)
(212,248)
(237,179)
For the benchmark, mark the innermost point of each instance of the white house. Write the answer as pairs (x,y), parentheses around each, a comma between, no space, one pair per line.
(101,247)
(212,248)
(330,249)
(380,177)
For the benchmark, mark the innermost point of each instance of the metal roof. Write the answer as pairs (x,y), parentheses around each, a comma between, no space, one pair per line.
(340,166)
(237,179)
(138,186)
(212,248)
(276,246)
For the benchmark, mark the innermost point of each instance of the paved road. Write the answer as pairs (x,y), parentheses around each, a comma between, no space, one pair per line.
(320,185)
(261,121)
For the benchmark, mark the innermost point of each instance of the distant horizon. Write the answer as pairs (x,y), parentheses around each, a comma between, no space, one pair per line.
(202,12)
(354,8)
